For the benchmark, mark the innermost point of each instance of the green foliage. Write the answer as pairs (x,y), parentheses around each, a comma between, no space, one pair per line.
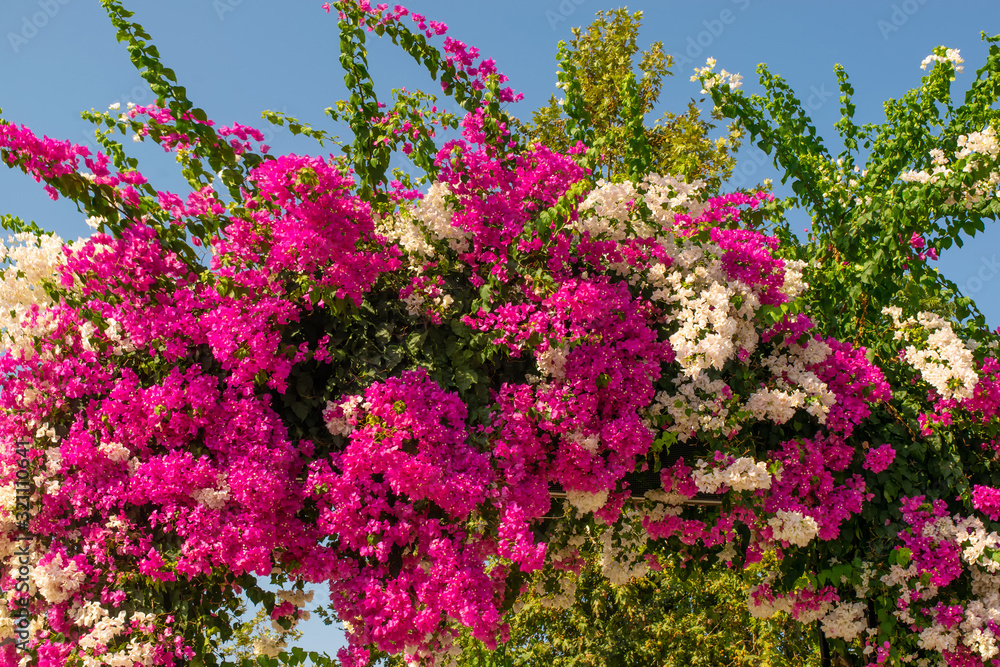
(863,215)
(607,101)
(240,648)
(675,618)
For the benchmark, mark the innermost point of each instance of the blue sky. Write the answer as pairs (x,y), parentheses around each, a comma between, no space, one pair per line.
(240,57)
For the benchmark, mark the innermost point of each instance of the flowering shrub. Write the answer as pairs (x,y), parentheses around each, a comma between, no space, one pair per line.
(360,386)
(928,453)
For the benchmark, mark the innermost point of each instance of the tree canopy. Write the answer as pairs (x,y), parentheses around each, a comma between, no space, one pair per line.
(616,101)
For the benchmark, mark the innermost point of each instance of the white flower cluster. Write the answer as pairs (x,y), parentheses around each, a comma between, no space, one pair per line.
(120,339)
(796,386)
(297,598)
(867,572)
(591,442)
(700,404)
(269,646)
(213,497)
(611,210)
(763,608)
(776,405)
(32,261)
(115,451)
(845,620)
(939,171)
(979,612)
(610,203)
(586,502)
(977,635)
(417,303)
(743,474)
(95,221)
(57,581)
(555,588)
(137,653)
(666,503)
(621,557)
(979,143)
(950,55)
(428,222)
(943,359)
(713,79)
(552,362)
(87,615)
(936,637)
(728,553)
(349,406)
(973,149)
(711,329)
(914,176)
(971,533)
(793,527)
(793,285)
(666,195)
(7,624)
(104,630)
